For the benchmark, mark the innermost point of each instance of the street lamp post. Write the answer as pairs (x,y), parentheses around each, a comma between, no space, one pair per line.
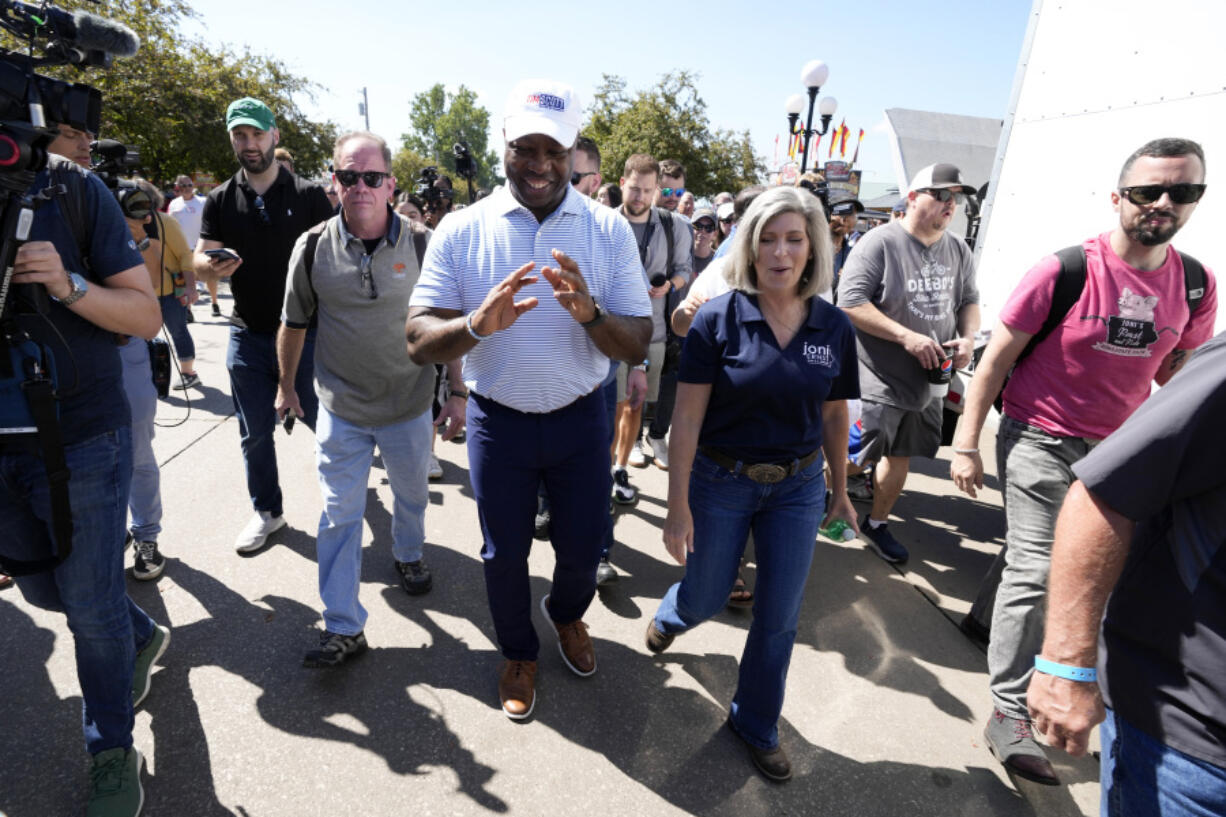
(813,75)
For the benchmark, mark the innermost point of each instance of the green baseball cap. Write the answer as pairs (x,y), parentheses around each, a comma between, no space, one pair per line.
(249,111)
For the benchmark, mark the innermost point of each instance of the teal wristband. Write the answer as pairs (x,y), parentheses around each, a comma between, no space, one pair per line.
(1086,674)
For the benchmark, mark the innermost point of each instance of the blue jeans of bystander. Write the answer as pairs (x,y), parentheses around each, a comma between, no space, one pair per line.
(88,587)
(145,496)
(252,361)
(1143,777)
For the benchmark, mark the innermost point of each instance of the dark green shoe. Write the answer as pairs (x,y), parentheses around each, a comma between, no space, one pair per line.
(142,673)
(115,784)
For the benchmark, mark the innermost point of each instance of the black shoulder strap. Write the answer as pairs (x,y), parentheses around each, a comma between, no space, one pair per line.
(1069,283)
(308,256)
(1193,281)
(666,221)
(419,246)
(72,201)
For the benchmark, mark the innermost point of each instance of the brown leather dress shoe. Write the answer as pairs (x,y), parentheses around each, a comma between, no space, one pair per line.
(657,642)
(574,643)
(517,688)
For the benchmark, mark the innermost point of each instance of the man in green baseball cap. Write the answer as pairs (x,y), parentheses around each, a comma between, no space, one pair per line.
(250,111)
(250,224)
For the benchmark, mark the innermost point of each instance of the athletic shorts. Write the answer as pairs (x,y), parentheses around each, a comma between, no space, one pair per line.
(888,431)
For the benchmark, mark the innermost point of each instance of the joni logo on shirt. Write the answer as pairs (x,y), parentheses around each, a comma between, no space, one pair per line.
(1131,332)
(818,355)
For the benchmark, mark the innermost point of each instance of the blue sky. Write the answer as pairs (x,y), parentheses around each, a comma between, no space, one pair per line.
(954,57)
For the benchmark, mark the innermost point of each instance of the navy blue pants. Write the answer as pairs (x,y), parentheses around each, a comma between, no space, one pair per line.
(510,453)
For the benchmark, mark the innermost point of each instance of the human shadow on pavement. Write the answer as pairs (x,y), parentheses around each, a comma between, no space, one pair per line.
(263,643)
(42,750)
(205,398)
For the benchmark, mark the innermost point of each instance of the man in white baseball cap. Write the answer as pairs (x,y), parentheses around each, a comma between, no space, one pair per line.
(533,367)
(909,289)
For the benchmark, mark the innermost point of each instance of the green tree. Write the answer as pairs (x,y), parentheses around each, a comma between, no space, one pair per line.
(169,100)
(669,121)
(406,167)
(440,119)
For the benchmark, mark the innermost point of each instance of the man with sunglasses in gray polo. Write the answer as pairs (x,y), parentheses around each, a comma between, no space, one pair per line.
(354,274)
(909,289)
(258,214)
(1140,310)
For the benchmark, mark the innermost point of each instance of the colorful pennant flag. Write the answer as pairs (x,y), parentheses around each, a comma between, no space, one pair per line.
(856,155)
(834,137)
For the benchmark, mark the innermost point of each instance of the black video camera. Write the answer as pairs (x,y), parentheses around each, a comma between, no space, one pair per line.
(821,190)
(465,164)
(114,159)
(425,189)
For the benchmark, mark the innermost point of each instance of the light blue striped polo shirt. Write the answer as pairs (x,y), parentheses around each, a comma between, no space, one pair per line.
(545,360)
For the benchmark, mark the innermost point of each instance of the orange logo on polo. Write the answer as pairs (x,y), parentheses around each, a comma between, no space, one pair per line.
(398,267)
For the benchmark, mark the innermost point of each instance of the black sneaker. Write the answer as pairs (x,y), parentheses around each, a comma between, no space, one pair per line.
(623,492)
(415,577)
(188,381)
(540,528)
(884,544)
(148,563)
(216,311)
(334,649)
(605,572)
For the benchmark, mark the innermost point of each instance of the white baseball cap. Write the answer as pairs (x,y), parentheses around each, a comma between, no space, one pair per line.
(938,176)
(542,106)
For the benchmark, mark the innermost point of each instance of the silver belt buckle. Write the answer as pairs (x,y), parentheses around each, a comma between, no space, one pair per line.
(766,473)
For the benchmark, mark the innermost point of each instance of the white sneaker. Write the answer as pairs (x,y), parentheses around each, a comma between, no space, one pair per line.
(659,450)
(637,458)
(256,533)
(435,471)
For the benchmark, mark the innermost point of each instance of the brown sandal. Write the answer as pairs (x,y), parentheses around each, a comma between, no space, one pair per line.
(741,596)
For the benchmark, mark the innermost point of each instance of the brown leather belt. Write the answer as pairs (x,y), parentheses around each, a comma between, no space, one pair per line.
(765,473)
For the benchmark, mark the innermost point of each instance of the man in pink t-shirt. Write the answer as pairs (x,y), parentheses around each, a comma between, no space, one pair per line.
(1131,325)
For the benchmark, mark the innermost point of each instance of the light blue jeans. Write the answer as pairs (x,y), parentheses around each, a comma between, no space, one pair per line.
(145,497)
(783,518)
(1142,777)
(343,453)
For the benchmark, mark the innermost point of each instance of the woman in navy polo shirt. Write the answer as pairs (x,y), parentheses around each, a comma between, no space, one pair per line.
(765,373)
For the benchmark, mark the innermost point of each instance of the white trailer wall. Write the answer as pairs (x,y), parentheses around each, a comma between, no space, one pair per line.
(1096,80)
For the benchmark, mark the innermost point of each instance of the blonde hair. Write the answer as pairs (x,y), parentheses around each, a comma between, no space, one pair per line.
(819,271)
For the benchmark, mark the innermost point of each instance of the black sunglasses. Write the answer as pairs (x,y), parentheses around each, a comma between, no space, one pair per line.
(704,226)
(373,178)
(727,220)
(577,177)
(944,194)
(1183,193)
(263,211)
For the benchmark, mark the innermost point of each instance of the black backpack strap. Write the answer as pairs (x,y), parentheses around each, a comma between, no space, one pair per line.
(308,255)
(419,246)
(72,201)
(1069,283)
(1193,281)
(666,222)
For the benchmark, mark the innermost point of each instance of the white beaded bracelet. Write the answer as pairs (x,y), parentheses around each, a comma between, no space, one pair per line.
(966,450)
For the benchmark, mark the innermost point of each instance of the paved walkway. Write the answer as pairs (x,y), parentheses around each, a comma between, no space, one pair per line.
(886,698)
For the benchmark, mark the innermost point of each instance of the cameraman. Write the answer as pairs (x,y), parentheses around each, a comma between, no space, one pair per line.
(94,297)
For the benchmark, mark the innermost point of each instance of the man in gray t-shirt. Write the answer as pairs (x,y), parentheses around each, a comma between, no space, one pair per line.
(909,289)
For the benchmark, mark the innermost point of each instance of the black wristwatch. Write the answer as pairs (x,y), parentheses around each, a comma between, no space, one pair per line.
(596,318)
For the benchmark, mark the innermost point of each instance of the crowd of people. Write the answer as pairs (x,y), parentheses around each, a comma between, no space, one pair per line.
(755,345)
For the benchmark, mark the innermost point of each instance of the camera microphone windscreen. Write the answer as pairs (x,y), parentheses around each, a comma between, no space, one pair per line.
(94,33)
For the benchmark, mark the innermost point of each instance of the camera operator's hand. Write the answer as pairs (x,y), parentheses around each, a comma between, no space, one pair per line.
(37,262)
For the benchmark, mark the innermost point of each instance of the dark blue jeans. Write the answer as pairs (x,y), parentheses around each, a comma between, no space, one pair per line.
(1143,777)
(509,454)
(784,519)
(252,361)
(88,587)
(174,318)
